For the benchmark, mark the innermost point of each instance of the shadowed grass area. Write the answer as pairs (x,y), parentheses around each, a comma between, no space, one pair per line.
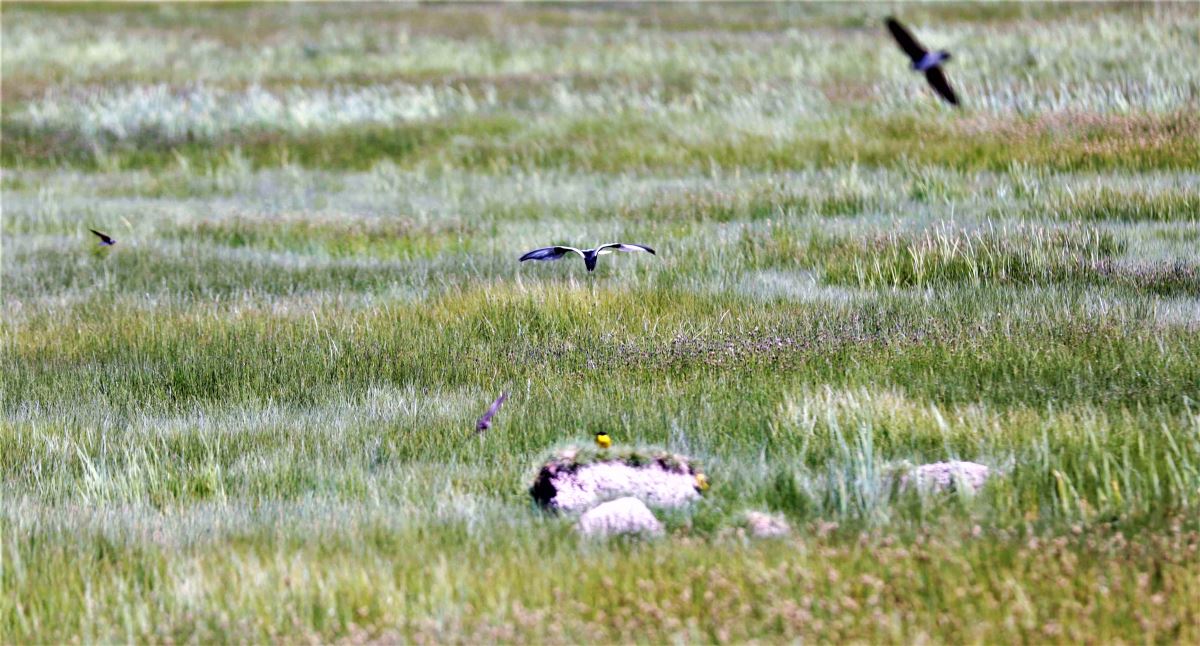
(758,203)
(506,143)
(171,269)
(357,148)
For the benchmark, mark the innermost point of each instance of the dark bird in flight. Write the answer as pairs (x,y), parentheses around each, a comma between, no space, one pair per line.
(924,60)
(105,239)
(590,256)
(485,422)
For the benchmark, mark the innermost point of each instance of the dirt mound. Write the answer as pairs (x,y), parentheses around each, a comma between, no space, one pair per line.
(575,480)
(621,516)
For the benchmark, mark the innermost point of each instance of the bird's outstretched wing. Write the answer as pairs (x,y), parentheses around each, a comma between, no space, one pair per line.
(550,253)
(486,420)
(937,79)
(104,238)
(905,39)
(621,246)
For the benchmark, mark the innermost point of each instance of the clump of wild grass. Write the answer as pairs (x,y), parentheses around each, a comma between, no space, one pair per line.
(1111,204)
(1031,256)
(1023,256)
(991,256)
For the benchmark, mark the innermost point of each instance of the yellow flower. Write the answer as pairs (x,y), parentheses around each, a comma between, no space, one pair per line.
(603,440)
(701,482)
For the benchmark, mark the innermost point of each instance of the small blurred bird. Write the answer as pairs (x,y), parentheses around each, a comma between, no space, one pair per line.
(485,422)
(603,440)
(105,239)
(590,256)
(701,482)
(924,60)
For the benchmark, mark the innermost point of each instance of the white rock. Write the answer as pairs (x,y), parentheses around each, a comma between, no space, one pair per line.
(658,487)
(764,525)
(946,476)
(621,516)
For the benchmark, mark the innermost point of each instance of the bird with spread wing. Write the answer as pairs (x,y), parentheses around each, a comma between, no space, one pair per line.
(590,256)
(105,239)
(924,60)
(485,422)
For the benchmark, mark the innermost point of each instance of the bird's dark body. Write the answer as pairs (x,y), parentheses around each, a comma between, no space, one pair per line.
(931,60)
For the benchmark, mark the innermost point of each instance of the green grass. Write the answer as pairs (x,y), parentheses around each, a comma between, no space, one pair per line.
(252,420)
(625,142)
(390,238)
(1109,204)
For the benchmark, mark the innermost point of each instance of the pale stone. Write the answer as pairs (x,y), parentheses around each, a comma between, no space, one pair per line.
(621,516)
(946,476)
(589,484)
(764,525)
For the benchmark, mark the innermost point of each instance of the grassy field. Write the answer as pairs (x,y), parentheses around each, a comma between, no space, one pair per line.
(252,419)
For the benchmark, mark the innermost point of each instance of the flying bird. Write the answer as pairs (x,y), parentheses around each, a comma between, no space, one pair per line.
(924,60)
(105,239)
(590,256)
(485,422)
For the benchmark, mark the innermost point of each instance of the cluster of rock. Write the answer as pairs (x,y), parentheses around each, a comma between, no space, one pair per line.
(614,493)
